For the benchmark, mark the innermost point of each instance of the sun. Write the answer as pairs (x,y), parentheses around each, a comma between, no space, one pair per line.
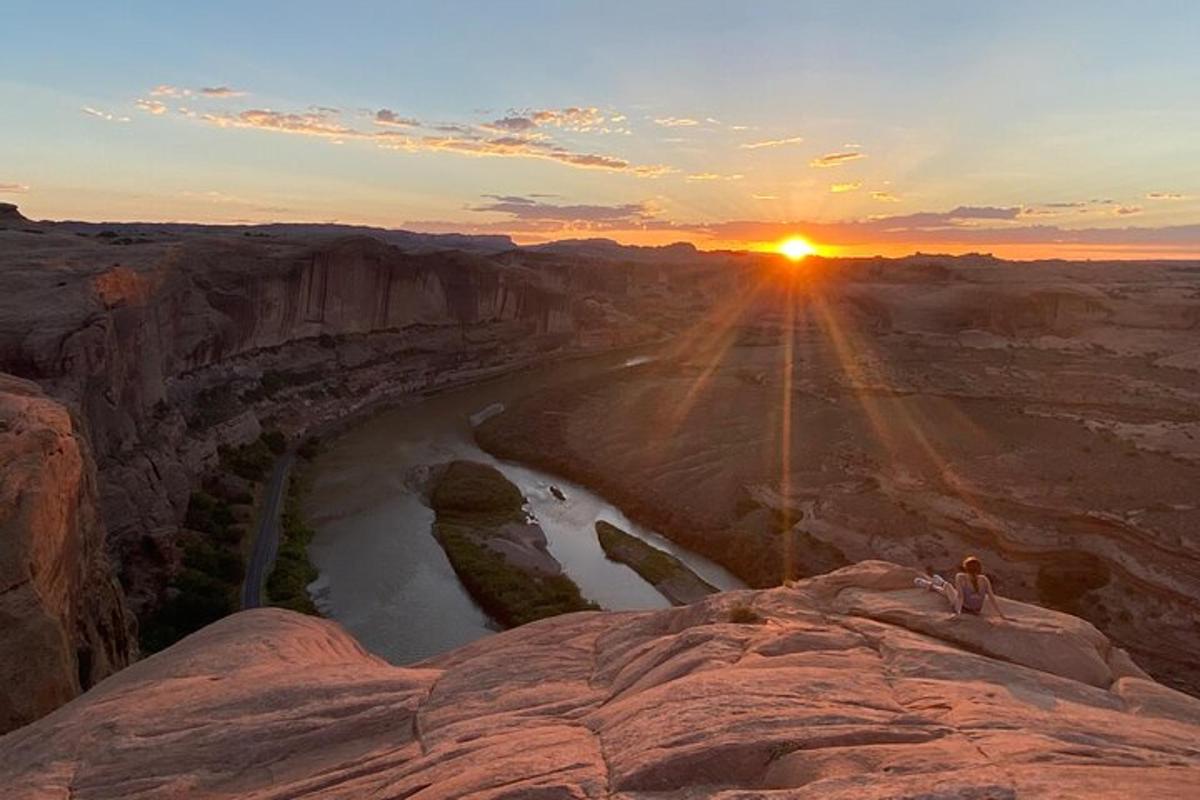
(795,248)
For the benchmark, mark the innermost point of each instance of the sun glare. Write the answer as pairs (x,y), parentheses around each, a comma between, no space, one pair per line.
(795,248)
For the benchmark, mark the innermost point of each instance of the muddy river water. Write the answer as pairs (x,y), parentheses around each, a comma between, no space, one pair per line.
(383,575)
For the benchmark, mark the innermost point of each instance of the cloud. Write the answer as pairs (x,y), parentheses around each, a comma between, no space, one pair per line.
(1127,211)
(309,124)
(107,116)
(841,188)
(764,197)
(385,116)
(713,176)
(166,90)
(771,143)
(573,118)
(836,159)
(885,197)
(1165,196)
(13,188)
(676,122)
(221,91)
(545,216)
(155,107)
(518,135)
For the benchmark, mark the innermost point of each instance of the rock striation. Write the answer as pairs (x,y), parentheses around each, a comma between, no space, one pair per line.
(853,685)
(63,622)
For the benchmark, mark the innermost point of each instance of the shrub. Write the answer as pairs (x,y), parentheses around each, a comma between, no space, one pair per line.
(276,442)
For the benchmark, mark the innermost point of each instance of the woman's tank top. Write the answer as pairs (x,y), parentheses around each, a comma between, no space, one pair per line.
(972,600)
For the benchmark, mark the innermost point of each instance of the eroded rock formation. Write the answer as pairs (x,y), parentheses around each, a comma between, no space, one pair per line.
(1042,416)
(63,622)
(169,342)
(852,685)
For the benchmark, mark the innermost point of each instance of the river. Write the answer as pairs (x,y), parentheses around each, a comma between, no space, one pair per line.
(383,575)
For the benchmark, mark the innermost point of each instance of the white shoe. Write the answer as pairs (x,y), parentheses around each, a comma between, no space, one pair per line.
(924,583)
(938,581)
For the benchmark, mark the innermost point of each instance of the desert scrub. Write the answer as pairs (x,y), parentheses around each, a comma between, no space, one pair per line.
(287,585)
(207,586)
(509,595)
(472,501)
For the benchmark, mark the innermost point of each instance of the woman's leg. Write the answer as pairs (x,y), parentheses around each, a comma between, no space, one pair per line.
(947,590)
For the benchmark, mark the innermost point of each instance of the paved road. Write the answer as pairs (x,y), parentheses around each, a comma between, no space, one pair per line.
(266,538)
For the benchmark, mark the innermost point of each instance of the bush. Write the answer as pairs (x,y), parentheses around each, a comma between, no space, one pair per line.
(309,449)
(509,595)
(252,462)
(287,585)
(276,442)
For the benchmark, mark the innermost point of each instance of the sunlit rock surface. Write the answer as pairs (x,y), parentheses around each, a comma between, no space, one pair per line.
(63,623)
(854,685)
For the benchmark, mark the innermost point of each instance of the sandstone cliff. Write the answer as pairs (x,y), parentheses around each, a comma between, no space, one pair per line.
(849,686)
(172,344)
(63,623)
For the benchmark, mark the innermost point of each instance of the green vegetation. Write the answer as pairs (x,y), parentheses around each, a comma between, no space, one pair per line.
(287,585)
(274,381)
(662,570)
(470,500)
(471,488)
(207,587)
(253,461)
(651,563)
(509,595)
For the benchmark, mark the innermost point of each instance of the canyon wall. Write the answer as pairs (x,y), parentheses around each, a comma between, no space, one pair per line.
(63,622)
(166,346)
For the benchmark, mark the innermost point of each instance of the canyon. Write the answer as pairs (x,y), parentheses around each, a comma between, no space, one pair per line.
(160,345)
(792,420)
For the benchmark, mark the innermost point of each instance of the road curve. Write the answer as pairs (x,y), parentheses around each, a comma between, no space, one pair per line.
(266,538)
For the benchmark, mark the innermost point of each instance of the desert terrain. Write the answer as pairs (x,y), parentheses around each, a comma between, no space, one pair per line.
(1045,416)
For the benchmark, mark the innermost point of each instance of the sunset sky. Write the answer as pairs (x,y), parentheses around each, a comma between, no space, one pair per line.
(1026,129)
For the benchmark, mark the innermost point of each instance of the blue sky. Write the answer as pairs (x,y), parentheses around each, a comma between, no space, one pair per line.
(871,126)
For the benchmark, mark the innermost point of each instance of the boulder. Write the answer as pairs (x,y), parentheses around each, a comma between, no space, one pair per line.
(853,686)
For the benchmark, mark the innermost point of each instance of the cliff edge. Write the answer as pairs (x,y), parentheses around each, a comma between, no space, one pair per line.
(63,621)
(849,685)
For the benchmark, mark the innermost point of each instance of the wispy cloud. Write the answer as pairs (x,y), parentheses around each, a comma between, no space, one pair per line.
(764,197)
(885,197)
(676,122)
(309,124)
(13,188)
(221,91)
(771,143)
(713,176)
(385,116)
(574,118)
(155,107)
(519,135)
(1165,196)
(841,188)
(1127,211)
(527,209)
(107,116)
(167,90)
(836,159)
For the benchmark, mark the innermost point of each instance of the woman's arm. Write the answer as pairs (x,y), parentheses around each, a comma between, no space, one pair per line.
(990,595)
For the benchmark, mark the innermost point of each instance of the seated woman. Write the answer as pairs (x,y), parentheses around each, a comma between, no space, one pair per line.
(971,589)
